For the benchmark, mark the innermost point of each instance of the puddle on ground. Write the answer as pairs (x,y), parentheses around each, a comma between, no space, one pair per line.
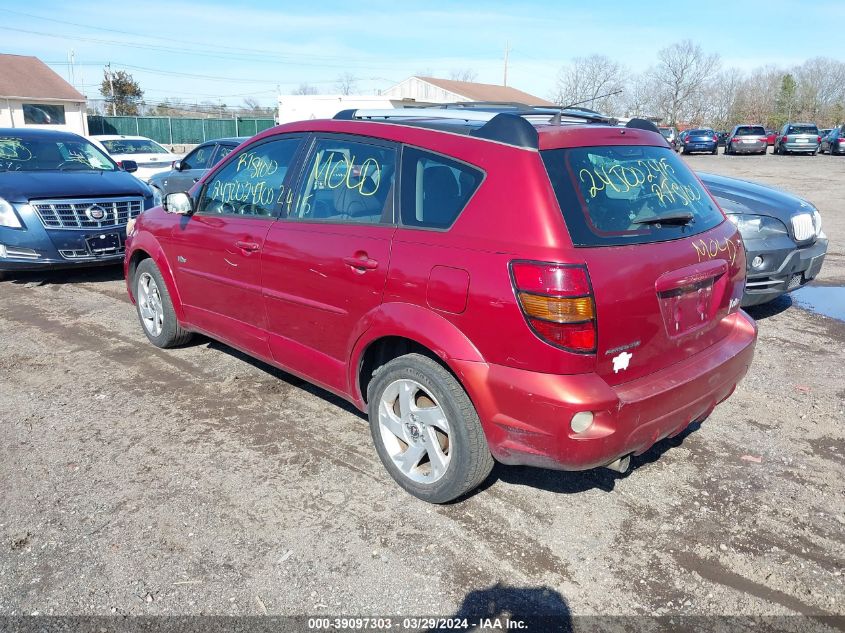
(826,300)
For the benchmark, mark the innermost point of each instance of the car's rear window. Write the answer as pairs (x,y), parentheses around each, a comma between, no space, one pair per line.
(665,131)
(750,130)
(700,133)
(802,129)
(604,191)
(133,146)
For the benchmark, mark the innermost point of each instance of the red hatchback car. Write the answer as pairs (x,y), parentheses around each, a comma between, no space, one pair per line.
(534,286)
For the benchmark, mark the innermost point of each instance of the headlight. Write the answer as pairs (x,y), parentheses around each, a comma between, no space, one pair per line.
(8,217)
(755,227)
(817,222)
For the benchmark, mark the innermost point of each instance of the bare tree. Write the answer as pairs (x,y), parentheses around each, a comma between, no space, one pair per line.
(346,83)
(588,81)
(463,74)
(639,98)
(305,89)
(684,72)
(722,108)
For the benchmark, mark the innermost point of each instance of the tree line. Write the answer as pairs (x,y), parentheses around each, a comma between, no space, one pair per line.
(689,86)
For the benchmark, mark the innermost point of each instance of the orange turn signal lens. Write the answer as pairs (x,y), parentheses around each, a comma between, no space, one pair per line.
(557,309)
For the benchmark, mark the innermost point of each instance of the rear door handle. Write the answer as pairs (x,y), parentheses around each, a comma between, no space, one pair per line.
(361,263)
(249,247)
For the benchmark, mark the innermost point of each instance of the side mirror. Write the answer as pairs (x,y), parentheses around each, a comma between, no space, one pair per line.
(177,165)
(128,165)
(179,203)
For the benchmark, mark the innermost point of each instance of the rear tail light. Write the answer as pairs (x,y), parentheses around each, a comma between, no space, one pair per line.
(715,138)
(785,139)
(734,140)
(818,139)
(557,302)
(841,140)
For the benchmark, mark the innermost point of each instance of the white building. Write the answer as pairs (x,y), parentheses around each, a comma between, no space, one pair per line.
(32,95)
(306,107)
(436,90)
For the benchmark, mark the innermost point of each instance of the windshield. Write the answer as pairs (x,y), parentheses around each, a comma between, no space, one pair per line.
(133,146)
(614,195)
(44,154)
(666,131)
(750,130)
(802,129)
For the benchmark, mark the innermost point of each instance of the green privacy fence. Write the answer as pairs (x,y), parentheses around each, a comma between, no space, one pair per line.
(173,131)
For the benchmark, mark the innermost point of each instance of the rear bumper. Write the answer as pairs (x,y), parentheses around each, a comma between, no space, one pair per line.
(800,148)
(526,414)
(748,148)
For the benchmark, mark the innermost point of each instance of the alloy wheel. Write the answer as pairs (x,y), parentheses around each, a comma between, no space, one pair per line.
(149,304)
(415,431)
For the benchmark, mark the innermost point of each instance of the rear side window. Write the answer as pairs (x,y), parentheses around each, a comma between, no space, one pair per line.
(435,189)
(611,195)
(750,130)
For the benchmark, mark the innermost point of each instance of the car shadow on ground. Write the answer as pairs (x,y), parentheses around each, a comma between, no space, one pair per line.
(537,608)
(574,482)
(561,482)
(99,274)
(770,309)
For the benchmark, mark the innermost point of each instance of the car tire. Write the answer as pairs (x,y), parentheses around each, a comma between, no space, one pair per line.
(448,435)
(155,308)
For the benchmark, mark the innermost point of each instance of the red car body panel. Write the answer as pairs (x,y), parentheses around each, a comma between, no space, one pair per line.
(301,302)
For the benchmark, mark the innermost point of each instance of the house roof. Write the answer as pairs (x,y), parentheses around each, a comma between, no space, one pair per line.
(472,91)
(22,76)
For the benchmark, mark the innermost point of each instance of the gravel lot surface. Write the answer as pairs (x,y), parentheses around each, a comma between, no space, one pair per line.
(198,481)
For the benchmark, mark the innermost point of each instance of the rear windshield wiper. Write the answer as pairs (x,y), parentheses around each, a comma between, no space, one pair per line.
(679,218)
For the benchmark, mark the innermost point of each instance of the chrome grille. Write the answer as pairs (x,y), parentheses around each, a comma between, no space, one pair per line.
(803,227)
(82,213)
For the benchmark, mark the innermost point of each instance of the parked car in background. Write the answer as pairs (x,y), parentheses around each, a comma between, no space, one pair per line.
(784,242)
(771,136)
(822,133)
(834,141)
(63,201)
(798,138)
(671,135)
(386,263)
(699,140)
(723,136)
(150,157)
(747,139)
(185,172)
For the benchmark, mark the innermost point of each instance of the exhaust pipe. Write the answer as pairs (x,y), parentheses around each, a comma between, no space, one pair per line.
(620,465)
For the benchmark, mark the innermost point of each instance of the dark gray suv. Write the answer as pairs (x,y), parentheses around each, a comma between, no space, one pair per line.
(187,171)
(798,138)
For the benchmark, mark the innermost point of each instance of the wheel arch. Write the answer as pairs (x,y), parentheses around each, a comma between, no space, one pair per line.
(148,248)
(397,329)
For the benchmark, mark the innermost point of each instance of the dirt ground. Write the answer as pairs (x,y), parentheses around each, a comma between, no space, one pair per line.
(198,481)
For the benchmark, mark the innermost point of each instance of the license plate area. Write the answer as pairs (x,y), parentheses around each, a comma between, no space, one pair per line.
(687,308)
(105,244)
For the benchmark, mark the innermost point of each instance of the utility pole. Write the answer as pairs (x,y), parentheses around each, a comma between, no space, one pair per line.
(507,51)
(111,88)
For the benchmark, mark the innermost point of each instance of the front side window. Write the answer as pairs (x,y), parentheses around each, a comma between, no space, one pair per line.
(199,158)
(253,183)
(133,146)
(43,114)
(42,154)
(347,181)
(435,189)
(613,195)
(222,152)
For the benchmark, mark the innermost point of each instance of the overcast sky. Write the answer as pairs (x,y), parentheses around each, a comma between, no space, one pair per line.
(220,52)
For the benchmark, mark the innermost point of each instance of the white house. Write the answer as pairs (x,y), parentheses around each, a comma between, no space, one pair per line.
(32,95)
(436,90)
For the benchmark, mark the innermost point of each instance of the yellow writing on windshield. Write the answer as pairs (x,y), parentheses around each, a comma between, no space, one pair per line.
(14,149)
(335,169)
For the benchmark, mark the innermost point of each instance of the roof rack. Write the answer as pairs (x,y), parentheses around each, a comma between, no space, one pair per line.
(505,122)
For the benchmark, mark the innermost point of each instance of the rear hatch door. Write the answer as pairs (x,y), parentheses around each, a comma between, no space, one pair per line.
(666,267)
